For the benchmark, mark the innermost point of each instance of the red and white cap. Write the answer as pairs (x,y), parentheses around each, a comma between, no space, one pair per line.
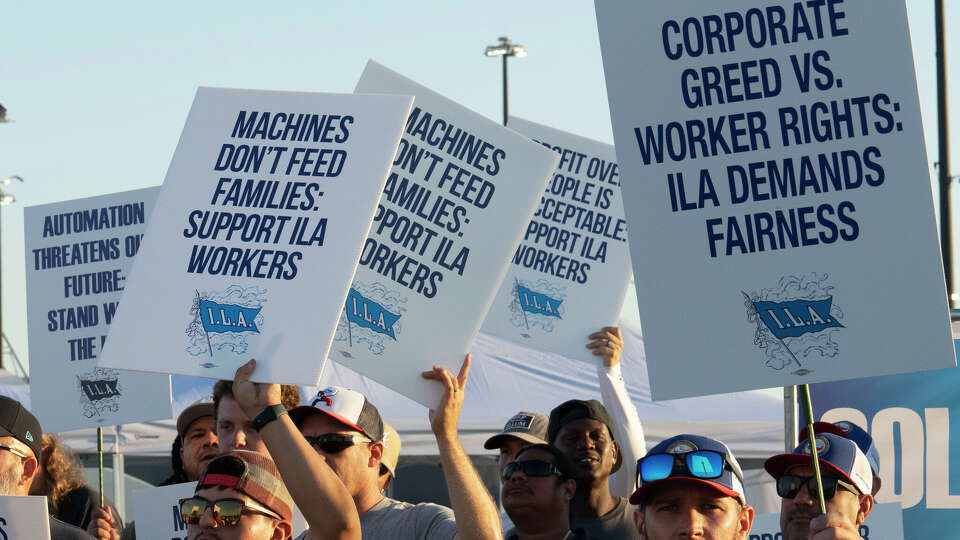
(346,406)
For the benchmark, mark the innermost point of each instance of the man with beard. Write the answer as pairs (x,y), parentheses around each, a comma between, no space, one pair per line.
(536,491)
(20,451)
(847,482)
(690,486)
(583,431)
(198,437)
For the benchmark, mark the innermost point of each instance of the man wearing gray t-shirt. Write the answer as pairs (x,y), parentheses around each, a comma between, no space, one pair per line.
(346,429)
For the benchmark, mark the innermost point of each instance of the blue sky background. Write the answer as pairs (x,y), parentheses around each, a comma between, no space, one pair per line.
(99,90)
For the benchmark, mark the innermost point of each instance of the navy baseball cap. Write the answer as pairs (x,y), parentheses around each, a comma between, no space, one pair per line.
(729,482)
(835,453)
(856,434)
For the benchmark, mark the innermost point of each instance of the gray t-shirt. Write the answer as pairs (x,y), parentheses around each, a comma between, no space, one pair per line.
(396,520)
(616,524)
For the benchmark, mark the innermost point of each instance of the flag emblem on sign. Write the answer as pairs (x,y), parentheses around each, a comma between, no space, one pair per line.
(539,303)
(223,320)
(369,314)
(795,321)
(536,305)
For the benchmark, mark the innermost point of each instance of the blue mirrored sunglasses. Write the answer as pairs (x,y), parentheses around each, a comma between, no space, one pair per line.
(704,464)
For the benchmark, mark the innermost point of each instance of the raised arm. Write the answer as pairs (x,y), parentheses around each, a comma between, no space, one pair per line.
(607,344)
(476,514)
(316,489)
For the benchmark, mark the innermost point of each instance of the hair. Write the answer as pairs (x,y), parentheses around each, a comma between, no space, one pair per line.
(559,458)
(63,473)
(289,395)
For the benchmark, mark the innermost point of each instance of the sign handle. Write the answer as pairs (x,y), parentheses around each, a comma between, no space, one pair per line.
(811,436)
(100,466)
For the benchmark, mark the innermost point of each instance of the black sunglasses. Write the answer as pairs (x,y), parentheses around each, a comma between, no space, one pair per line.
(530,467)
(334,443)
(788,486)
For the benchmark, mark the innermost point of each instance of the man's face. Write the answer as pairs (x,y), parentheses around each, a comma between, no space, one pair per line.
(235,430)
(796,513)
(692,510)
(12,469)
(252,526)
(199,446)
(508,450)
(357,466)
(547,496)
(588,444)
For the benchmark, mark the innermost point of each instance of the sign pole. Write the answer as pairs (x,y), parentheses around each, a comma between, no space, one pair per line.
(100,465)
(811,436)
(789,418)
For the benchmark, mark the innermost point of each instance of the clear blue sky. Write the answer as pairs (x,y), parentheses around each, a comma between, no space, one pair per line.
(99,90)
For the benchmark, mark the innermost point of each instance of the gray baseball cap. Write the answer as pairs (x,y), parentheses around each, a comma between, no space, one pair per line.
(526,426)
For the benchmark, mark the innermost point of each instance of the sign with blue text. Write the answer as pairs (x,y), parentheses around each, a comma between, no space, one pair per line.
(78,257)
(456,202)
(914,420)
(777,191)
(24,517)
(256,235)
(885,522)
(570,273)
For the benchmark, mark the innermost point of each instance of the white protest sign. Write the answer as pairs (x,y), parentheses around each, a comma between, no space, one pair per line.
(459,196)
(78,259)
(777,192)
(157,512)
(23,518)
(885,522)
(570,274)
(256,235)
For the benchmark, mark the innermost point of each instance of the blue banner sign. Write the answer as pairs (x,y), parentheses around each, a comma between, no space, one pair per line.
(369,314)
(534,302)
(227,317)
(796,317)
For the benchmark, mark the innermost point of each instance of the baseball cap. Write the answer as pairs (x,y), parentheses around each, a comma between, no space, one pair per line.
(251,473)
(577,409)
(391,449)
(856,434)
(837,454)
(346,406)
(526,426)
(19,423)
(197,410)
(730,482)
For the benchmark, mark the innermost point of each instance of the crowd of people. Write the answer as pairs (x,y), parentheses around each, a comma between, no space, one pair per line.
(579,472)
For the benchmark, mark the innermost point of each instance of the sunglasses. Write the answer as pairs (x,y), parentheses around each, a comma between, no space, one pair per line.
(226,512)
(530,467)
(334,443)
(704,464)
(788,486)
(13,451)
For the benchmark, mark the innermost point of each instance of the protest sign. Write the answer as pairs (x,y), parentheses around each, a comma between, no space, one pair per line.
(569,275)
(459,196)
(777,191)
(256,235)
(24,517)
(78,258)
(885,522)
(157,512)
(910,418)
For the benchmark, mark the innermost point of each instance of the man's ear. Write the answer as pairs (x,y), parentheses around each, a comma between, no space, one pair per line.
(282,531)
(616,451)
(638,522)
(745,522)
(376,455)
(30,467)
(866,505)
(569,488)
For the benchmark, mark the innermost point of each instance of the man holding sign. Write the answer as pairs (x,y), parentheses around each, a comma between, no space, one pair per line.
(847,482)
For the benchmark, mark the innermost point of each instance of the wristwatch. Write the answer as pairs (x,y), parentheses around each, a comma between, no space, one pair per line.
(268,415)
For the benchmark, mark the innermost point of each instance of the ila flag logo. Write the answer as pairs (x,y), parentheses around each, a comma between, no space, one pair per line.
(368,314)
(798,317)
(217,317)
(541,304)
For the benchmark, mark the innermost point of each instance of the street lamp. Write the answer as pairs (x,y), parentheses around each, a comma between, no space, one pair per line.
(505,48)
(5,199)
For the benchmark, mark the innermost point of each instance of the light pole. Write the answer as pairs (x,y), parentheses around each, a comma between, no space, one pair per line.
(5,199)
(505,49)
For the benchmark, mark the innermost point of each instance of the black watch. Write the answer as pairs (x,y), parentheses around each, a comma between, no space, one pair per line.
(268,415)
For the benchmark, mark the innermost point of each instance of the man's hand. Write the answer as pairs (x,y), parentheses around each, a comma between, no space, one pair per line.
(443,419)
(102,526)
(607,344)
(253,397)
(833,526)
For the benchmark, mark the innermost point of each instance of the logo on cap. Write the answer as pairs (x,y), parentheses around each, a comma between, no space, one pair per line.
(823,446)
(844,426)
(520,422)
(324,396)
(682,447)
(29,436)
